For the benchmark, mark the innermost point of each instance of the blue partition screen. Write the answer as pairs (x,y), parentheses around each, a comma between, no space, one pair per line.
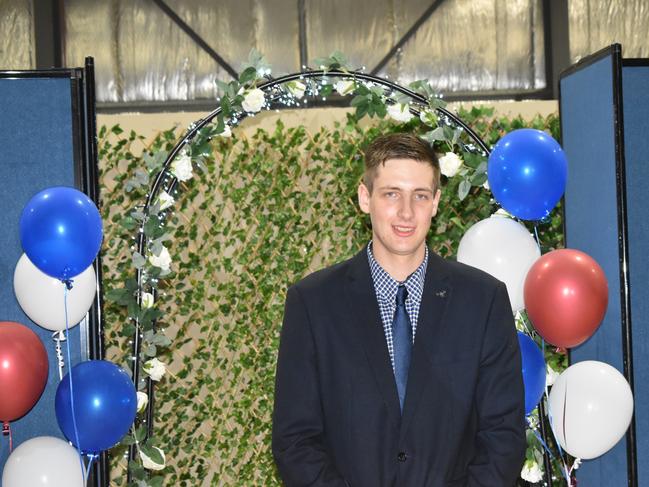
(635,81)
(588,124)
(36,136)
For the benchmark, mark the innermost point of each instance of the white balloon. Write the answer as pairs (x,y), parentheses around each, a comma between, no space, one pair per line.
(41,296)
(503,248)
(43,461)
(590,407)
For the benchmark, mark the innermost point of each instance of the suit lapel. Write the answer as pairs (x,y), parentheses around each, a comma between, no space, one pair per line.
(363,303)
(437,292)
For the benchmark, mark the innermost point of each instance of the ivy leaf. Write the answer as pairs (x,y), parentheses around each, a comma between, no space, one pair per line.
(140,433)
(257,61)
(463,189)
(138,215)
(247,75)
(128,223)
(128,329)
(478,178)
(152,453)
(472,160)
(434,135)
(138,260)
(120,296)
(326,90)
(150,350)
(150,227)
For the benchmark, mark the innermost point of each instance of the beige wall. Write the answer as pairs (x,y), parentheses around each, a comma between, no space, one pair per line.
(149,124)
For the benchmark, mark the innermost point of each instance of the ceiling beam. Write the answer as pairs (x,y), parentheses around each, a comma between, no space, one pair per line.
(196,37)
(406,37)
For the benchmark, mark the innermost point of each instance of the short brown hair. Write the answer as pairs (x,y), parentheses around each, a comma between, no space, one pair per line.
(398,146)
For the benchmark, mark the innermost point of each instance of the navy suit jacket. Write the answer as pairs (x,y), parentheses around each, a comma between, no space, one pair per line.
(337,421)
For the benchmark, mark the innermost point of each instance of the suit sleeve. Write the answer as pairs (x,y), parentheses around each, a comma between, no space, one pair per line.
(298,427)
(500,401)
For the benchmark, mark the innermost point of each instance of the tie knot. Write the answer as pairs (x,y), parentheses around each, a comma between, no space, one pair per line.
(402,294)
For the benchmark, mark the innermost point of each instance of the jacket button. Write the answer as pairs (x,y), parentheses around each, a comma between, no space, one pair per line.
(402,456)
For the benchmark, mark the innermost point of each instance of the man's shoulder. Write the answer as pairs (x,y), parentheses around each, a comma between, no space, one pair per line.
(327,278)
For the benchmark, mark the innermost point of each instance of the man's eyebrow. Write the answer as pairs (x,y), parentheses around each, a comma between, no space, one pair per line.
(427,190)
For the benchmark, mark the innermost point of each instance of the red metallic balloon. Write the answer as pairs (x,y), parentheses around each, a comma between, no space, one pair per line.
(566,295)
(23,370)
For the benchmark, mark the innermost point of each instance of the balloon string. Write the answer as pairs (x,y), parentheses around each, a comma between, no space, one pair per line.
(536,236)
(58,337)
(538,437)
(91,458)
(550,419)
(6,430)
(74,416)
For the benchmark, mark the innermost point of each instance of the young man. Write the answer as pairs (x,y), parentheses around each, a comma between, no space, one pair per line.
(396,367)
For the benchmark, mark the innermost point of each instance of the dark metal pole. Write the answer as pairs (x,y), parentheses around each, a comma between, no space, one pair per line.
(301,17)
(195,37)
(406,37)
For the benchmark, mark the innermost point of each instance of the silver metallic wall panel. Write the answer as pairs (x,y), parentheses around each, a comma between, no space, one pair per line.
(479,45)
(17,35)
(141,55)
(595,24)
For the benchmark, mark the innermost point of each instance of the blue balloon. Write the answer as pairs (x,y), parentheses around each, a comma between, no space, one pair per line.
(533,371)
(105,403)
(60,231)
(527,173)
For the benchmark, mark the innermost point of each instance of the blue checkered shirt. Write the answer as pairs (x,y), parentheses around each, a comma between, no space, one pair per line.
(386,293)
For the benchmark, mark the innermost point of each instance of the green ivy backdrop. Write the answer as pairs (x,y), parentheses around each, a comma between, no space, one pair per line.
(262,212)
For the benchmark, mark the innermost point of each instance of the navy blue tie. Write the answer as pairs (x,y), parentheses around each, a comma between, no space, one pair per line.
(402,343)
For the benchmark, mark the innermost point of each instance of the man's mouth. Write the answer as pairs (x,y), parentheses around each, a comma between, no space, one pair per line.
(403,231)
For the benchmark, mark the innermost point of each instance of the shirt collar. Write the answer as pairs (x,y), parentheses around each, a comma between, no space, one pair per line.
(386,286)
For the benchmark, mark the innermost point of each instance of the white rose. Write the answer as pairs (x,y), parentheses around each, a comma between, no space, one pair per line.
(450,164)
(165,200)
(344,87)
(142,401)
(486,186)
(147,300)
(162,260)
(400,112)
(227,132)
(550,376)
(296,88)
(532,472)
(253,100)
(182,168)
(428,117)
(148,463)
(154,368)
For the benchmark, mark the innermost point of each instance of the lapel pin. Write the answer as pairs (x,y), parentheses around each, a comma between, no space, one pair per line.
(441,294)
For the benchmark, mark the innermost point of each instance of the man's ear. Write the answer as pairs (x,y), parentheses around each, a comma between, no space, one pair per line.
(438,194)
(364,198)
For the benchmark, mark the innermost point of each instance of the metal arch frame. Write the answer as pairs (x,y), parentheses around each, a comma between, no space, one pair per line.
(165,179)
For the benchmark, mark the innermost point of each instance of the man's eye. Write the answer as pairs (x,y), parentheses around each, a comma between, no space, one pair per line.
(390,194)
(421,197)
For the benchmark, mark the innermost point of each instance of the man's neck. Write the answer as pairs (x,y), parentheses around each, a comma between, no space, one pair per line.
(399,266)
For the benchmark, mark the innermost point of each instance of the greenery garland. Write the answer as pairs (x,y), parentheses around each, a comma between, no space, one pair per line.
(241,174)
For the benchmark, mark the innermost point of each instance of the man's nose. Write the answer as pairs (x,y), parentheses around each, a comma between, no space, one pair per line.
(405,209)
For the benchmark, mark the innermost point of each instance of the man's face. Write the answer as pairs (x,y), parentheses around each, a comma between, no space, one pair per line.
(401,206)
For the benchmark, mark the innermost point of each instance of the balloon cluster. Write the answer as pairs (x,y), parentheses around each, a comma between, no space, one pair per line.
(55,284)
(564,292)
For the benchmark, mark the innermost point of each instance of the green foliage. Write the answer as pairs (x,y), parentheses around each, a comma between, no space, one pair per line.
(266,211)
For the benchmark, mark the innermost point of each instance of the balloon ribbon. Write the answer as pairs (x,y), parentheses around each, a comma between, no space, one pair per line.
(58,337)
(68,287)
(6,431)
